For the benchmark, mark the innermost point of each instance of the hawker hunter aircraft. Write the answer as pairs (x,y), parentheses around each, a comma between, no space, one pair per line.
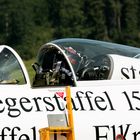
(103,81)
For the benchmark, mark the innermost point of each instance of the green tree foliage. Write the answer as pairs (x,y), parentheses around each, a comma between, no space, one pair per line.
(4,21)
(113,13)
(16,19)
(70,19)
(27,24)
(95,19)
(129,21)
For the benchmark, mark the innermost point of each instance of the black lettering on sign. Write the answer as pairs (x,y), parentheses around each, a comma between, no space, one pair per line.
(48,105)
(88,101)
(15,133)
(133,100)
(130,73)
(125,72)
(108,132)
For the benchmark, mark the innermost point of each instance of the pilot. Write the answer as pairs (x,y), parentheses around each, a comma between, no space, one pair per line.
(73,56)
(82,65)
(53,69)
(61,73)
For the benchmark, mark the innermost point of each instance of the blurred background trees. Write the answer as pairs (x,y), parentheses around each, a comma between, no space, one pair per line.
(25,25)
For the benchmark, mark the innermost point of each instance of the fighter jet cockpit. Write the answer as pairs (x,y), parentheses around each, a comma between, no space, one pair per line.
(10,69)
(52,68)
(69,61)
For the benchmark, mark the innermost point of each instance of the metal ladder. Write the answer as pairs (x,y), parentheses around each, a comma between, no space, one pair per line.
(68,131)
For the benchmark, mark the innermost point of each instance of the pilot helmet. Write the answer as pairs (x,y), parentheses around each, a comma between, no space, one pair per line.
(73,57)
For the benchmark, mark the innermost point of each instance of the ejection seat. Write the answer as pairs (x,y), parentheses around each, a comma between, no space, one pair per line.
(51,68)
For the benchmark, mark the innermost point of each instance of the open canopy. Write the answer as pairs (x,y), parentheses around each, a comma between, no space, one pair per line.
(82,59)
